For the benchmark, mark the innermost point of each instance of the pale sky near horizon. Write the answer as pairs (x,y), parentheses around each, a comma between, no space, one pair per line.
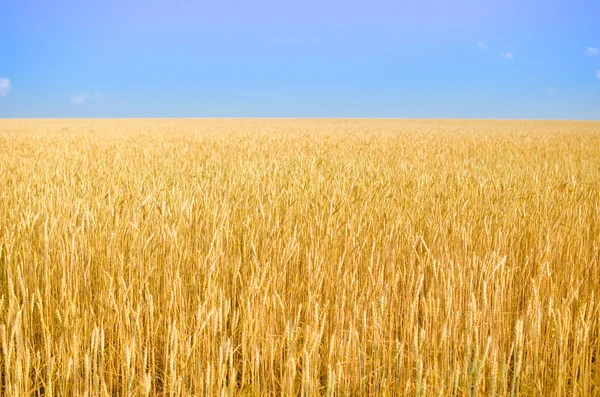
(432,58)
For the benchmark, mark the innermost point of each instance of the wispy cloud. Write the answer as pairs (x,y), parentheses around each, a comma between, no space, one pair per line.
(598,73)
(5,86)
(550,91)
(507,55)
(591,52)
(482,45)
(78,99)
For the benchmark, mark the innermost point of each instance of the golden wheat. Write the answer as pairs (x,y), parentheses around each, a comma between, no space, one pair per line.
(299,257)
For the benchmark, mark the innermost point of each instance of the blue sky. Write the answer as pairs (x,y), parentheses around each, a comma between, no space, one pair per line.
(327,58)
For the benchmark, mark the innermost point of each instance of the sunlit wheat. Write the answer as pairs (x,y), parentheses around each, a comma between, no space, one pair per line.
(299,257)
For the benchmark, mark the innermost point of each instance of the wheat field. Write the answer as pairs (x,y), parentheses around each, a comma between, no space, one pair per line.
(299,257)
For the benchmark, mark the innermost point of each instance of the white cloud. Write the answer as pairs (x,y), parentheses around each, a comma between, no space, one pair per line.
(507,55)
(591,51)
(85,97)
(5,86)
(482,45)
(79,98)
(550,91)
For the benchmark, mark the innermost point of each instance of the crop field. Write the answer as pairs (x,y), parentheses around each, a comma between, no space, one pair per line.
(299,257)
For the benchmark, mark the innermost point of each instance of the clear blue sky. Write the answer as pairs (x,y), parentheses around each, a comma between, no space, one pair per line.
(312,58)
